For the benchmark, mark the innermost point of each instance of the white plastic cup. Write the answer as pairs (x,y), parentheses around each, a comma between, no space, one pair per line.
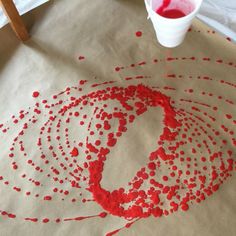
(171,32)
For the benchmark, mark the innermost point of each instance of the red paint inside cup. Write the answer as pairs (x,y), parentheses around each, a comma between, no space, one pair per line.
(172,13)
(166,11)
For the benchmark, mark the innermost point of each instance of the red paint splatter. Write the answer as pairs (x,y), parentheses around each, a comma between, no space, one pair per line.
(189,163)
(74,152)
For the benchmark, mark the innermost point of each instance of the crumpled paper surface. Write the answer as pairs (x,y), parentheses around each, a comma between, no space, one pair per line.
(220,15)
(87,41)
(22,7)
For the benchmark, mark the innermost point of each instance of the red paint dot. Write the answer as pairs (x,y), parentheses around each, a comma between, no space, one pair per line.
(165,178)
(46,220)
(152,166)
(81,58)
(139,33)
(35,94)
(15,167)
(47,198)
(76,114)
(185,207)
(103,214)
(74,152)
(11,216)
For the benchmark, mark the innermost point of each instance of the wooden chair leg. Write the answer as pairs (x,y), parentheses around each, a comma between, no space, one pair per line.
(15,20)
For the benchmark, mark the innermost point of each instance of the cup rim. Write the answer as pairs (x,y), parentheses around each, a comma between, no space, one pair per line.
(176,19)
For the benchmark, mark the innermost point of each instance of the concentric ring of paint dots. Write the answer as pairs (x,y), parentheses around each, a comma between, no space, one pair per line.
(75,131)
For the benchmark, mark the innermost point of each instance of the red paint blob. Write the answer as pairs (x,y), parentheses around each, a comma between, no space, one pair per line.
(81,58)
(172,13)
(74,152)
(35,94)
(45,220)
(139,33)
(47,198)
(184,207)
